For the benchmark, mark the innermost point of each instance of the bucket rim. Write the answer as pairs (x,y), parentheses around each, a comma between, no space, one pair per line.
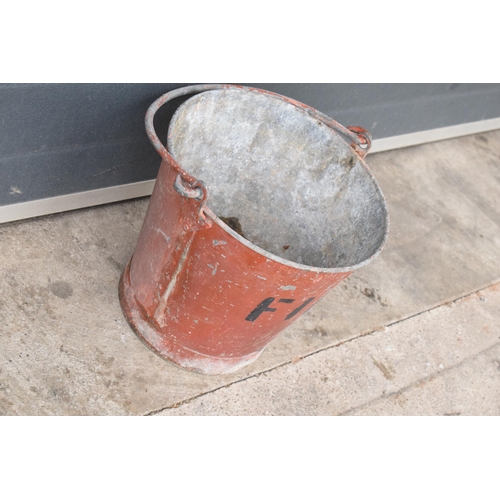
(356,145)
(291,263)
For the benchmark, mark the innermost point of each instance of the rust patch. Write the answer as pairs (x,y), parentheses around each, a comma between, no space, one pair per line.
(387,372)
(234,224)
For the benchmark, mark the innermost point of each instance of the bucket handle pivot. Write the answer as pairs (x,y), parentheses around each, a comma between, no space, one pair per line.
(364,143)
(195,193)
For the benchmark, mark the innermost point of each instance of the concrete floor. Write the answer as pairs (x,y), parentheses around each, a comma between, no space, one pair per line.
(445,361)
(392,339)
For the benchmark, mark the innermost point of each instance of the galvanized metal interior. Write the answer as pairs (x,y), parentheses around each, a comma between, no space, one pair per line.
(294,185)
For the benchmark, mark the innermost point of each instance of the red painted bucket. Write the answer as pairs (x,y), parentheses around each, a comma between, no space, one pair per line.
(293,210)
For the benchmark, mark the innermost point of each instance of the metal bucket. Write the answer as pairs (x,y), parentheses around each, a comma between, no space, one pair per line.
(293,210)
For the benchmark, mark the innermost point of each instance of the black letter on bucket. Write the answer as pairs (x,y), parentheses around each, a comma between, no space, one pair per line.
(262,307)
(295,311)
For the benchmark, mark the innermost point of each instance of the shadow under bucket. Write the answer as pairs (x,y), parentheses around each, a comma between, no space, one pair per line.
(293,210)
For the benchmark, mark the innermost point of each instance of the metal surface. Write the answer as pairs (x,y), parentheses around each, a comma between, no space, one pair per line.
(293,210)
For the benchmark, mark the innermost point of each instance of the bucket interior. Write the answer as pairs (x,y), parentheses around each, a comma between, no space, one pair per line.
(291,183)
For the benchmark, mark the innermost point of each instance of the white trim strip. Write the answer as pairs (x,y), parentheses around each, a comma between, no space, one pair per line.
(36,208)
(46,206)
(437,134)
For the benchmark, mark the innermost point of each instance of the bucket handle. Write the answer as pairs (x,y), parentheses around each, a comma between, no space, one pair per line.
(365,137)
(359,138)
(195,190)
(153,137)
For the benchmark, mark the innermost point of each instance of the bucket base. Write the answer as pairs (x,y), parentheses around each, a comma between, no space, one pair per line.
(165,346)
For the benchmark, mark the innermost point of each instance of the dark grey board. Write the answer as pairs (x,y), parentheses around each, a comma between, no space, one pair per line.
(391,109)
(58,139)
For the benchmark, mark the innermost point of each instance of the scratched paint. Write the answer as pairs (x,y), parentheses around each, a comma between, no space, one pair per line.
(214,268)
(213,316)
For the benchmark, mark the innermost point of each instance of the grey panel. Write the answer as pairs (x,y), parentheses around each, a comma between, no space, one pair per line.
(58,139)
(78,168)
(390,109)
